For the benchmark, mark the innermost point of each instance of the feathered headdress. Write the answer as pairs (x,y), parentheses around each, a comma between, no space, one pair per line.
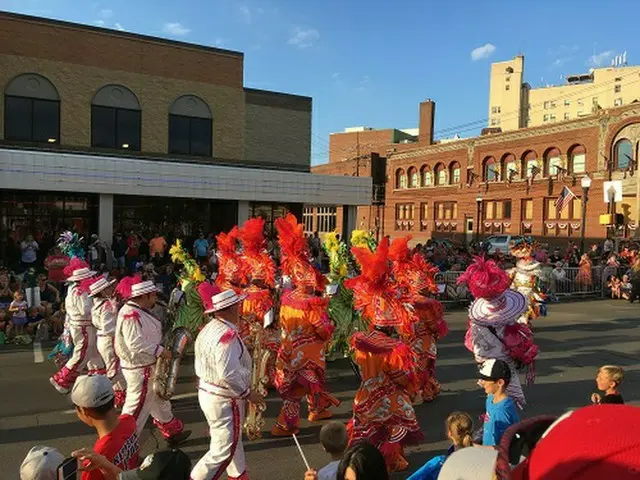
(75,264)
(362,238)
(375,292)
(338,254)
(123,290)
(258,262)
(231,269)
(522,246)
(191,267)
(412,272)
(295,254)
(71,245)
(485,279)
(207,291)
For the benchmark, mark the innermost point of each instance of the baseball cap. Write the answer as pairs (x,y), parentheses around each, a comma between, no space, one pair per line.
(92,391)
(171,464)
(41,463)
(494,369)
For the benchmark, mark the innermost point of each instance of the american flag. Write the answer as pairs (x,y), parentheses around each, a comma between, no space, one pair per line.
(566,195)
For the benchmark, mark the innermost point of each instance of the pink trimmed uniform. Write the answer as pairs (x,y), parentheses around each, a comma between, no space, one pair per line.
(103,316)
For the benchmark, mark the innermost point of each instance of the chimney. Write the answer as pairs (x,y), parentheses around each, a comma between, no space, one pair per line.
(425,128)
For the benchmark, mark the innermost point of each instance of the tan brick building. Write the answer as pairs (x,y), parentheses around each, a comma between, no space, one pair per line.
(441,189)
(104,130)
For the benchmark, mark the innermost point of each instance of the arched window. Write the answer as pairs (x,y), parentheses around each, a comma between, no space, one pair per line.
(530,163)
(577,159)
(190,127)
(414,178)
(490,170)
(31,110)
(509,166)
(440,174)
(401,178)
(454,172)
(115,119)
(551,161)
(623,154)
(426,176)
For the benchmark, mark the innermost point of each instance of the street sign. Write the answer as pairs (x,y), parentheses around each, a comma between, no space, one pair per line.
(617,187)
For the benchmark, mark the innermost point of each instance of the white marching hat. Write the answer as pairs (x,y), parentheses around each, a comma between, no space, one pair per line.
(225,300)
(504,308)
(100,285)
(142,288)
(81,274)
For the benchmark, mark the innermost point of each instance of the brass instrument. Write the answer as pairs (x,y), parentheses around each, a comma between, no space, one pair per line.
(166,375)
(254,423)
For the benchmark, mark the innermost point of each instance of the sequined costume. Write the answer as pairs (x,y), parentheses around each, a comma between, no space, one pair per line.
(525,278)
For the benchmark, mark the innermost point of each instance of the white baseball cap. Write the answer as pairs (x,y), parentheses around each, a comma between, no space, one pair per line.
(41,463)
(91,391)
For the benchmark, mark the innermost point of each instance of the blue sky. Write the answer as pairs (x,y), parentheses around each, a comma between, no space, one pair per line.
(370,62)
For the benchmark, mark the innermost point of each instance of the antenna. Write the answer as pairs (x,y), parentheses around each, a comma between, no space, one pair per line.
(624,58)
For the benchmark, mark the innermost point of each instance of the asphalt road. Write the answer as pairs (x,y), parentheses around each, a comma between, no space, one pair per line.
(574,340)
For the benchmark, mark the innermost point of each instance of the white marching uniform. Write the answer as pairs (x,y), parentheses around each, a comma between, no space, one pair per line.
(223,365)
(138,344)
(103,316)
(84,336)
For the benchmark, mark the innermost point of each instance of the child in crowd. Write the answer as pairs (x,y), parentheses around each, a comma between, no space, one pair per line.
(5,326)
(93,398)
(501,411)
(41,463)
(334,439)
(614,285)
(625,287)
(35,322)
(18,310)
(608,380)
(57,321)
(459,431)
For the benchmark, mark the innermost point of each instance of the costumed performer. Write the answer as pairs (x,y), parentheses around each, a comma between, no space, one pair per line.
(526,278)
(382,410)
(104,313)
(232,273)
(82,332)
(139,345)
(306,329)
(189,310)
(223,366)
(494,331)
(416,277)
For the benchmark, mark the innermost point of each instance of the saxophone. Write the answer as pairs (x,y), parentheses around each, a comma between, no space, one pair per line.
(254,423)
(166,375)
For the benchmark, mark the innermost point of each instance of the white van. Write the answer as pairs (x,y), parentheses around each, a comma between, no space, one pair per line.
(499,242)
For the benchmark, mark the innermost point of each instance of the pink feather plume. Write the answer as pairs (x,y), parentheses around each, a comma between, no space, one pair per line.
(75,264)
(206,291)
(485,278)
(124,286)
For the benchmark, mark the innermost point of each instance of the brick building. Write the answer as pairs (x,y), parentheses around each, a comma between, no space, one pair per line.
(105,130)
(509,181)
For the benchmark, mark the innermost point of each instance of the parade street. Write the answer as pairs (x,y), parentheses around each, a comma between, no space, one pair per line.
(575,339)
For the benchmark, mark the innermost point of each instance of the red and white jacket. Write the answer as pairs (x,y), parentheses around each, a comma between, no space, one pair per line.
(78,306)
(104,315)
(138,336)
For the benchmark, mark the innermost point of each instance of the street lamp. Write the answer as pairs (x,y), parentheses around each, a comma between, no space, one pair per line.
(586,184)
(478,214)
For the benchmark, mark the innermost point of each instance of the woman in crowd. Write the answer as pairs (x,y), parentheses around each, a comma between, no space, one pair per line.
(584,274)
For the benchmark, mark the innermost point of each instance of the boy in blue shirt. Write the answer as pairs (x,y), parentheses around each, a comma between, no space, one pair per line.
(501,410)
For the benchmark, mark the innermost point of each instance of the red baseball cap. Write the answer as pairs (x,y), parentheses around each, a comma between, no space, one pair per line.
(593,443)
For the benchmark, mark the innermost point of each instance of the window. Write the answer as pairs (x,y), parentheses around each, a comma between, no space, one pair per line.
(495,109)
(424,212)
(494,122)
(527,209)
(31,110)
(530,163)
(307,217)
(562,224)
(567,103)
(581,113)
(427,177)
(567,116)
(414,178)
(617,102)
(326,219)
(497,210)
(618,79)
(552,160)
(509,167)
(441,174)
(623,154)
(490,172)
(580,102)
(547,105)
(545,118)
(190,127)
(617,89)
(446,210)
(552,118)
(553,104)
(404,215)
(115,119)
(578,159)
(401,179)
(454,172)
(594,100)
(506,87)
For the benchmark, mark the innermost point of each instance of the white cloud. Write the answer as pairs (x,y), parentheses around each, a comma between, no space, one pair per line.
(99,23)
(599,59)
(119,27)
(106,13)
(175,28)
(485,51)
(219,42)
(364,85)
(303,37)
(335,76)
(563,50)
(246,13)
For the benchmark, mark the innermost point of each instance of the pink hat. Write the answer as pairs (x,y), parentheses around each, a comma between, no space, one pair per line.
(207,291)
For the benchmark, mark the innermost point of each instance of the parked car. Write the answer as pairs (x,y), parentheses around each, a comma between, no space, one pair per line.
(498,242)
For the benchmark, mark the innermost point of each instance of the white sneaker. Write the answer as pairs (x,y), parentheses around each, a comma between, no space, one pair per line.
(63,391)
